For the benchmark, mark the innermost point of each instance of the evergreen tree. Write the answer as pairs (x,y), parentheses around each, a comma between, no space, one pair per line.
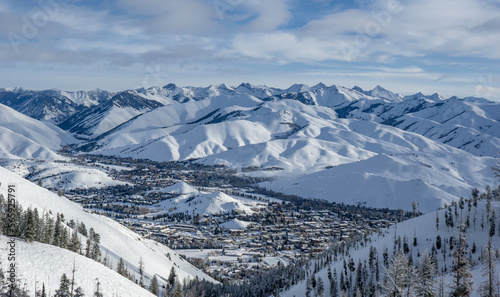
(63,290)
(333,284)
(82,229)
(488,258)
(74,243)
(320,287)
(141,272)
(96,252)
(462,280)
(121,267)
(492,224)
(178,290)
(48,230)
(438,242)
(79,292)
(396,279)
(172,277)
(57,238)
(308,287)
(489,197)
(437,220)
(38,225)
(154,287)
(64,238)
(29,233)
(426,276)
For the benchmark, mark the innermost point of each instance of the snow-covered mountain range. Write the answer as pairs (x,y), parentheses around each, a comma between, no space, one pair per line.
(330,142)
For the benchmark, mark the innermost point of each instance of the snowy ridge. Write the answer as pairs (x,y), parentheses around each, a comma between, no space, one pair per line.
(44,134)
(25,137)
(60,175)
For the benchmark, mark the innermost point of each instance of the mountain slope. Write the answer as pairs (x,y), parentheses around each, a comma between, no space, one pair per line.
(423,228)
(116,240)
(470,124)
(101,118)
(38,263)
(25,137)
(51,105)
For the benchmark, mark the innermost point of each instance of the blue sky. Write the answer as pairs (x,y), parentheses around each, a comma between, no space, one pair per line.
(449,47)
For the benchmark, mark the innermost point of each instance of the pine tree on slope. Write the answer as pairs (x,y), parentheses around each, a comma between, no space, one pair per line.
(488,258)
(154,287)
(462,279)
(426,276)
(396,279)
(63,290)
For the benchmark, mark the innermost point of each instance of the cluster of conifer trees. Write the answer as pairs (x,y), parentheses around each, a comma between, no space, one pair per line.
(47,228)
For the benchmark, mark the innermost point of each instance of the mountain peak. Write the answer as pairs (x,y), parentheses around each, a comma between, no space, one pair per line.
(359,89)
(318,86)
(170,86)
(297,88)
(246,85)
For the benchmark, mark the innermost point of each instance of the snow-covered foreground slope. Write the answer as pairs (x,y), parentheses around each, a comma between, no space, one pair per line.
(424,229)
(116,240)
(38,263)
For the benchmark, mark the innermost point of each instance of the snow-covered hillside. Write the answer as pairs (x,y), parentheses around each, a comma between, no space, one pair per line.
(116,240)
(25,137)
(205,204)
(40,264)
(424,229)
(60,175)
(102,118)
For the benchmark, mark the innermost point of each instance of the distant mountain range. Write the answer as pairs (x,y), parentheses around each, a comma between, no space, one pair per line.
(373,147)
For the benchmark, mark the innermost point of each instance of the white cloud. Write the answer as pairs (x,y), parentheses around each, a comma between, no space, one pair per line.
(271,14)
(173,16)
(279,46)
(392,29)
(78,45)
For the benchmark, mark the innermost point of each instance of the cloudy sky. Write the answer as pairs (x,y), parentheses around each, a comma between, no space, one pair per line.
(446,46)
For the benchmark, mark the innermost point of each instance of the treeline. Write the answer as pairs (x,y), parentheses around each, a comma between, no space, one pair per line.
(268,283)
(31,226)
